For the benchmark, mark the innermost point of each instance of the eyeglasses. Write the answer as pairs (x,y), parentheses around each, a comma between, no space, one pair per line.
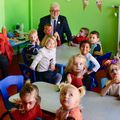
(54,10)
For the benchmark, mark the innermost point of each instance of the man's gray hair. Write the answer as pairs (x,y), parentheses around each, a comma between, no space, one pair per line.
(53,5)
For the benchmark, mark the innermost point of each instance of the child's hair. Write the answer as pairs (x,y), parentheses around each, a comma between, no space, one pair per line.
(47,25)
(71,62)
(112,66)
(84,42)
(96,33)
(46,39)
(29,88)
(31,32)
(86,30)
(80,92)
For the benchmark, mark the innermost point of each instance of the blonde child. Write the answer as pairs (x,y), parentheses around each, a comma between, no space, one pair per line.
(32,49)
(75,70)
(70,98)
(45,62)
(48,30)
(96,47)
(82,35)
(112,87)
(29,108)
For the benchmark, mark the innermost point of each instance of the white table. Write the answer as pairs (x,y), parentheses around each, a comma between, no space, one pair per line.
(95,107)
(64,52)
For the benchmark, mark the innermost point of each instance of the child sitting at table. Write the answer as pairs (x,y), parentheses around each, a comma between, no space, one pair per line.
(29,104)
(92,63)
(32,49)
(45,62)
(75,70)
(48,30)
(96,47)
(70,98)
(82,35)
(112,87)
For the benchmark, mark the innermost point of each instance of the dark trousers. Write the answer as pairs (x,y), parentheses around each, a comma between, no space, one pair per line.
(4,66)
(49,76)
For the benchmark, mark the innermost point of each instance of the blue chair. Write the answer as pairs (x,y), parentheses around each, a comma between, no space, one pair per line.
(103,81)
(13,80)
(61,68)
(5,83)
(27,72)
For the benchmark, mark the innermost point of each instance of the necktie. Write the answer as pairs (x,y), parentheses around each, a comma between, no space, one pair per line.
(54,26)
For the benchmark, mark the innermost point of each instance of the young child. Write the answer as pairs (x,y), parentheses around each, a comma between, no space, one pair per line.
(96,47)
(45,62)
(33,48)
(112,87)
(48,30)
(70,97)
(75,70)
(92,63)
(6,53)
(82,35)
(29,104)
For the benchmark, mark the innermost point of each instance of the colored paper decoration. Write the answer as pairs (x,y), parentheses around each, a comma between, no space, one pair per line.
(85,4)
(99,4)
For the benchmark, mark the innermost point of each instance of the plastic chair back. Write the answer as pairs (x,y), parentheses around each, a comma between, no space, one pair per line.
(5,83)
(103,81)
(27,72)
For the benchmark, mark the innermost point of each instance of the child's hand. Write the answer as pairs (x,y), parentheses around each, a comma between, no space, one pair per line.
(108,62)
(70,43)
(69,79)
(115,81)
(17,101)
(78,35)
(56,34)
(31,68)
(52,67)
(38,42)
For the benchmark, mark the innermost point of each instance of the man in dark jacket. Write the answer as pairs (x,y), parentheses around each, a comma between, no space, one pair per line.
(58,22)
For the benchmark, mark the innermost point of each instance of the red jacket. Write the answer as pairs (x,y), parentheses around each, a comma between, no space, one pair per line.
(5,47)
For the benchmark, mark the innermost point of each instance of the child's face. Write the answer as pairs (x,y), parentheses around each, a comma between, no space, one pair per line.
(93,38)
(78,65)
(34,37)
(48,30)
(28,101)
(82,33)
(85,48)
(115,72)
(50,44)
(69,98)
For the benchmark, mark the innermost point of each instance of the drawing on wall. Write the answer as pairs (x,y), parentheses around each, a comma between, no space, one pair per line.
(99,4)
(85,4)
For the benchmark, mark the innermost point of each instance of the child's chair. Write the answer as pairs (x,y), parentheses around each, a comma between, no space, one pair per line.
(13,80)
